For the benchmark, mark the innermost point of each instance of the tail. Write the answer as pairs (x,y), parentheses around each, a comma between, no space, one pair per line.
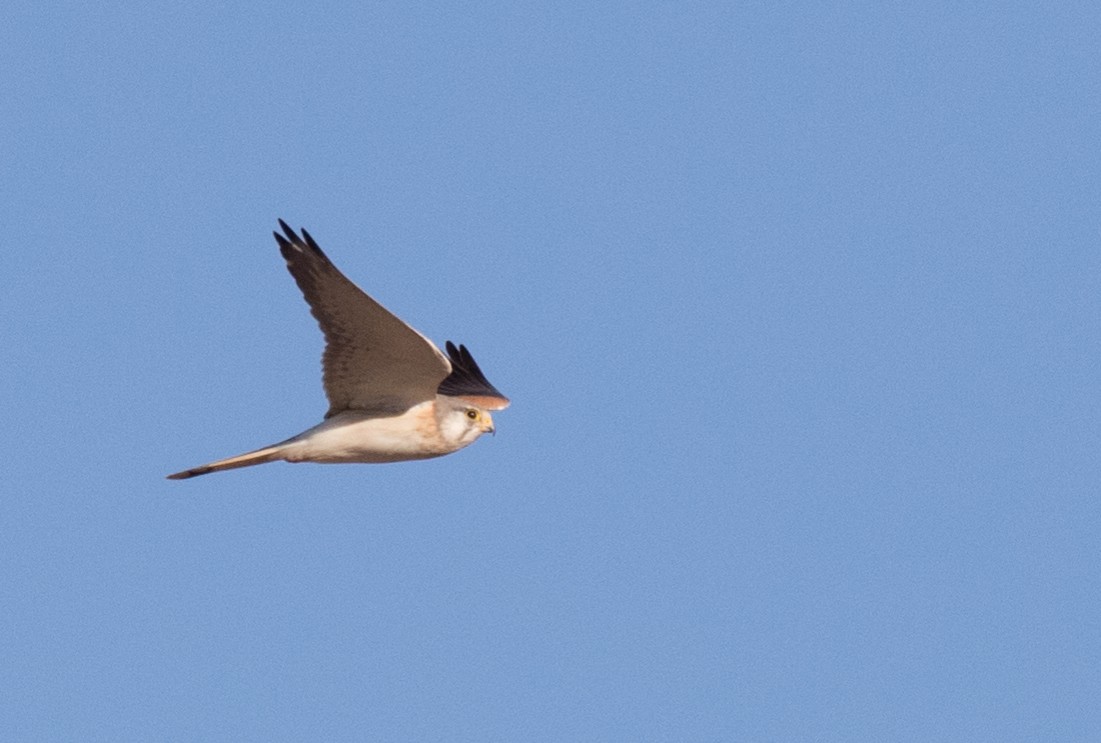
(260,456)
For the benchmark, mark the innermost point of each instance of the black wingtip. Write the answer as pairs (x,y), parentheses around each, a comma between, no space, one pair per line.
(291,238)
(310,241)
(466,378)
(288,239)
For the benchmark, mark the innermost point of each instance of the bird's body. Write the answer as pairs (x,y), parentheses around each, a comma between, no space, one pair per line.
(393,395)
(418,433)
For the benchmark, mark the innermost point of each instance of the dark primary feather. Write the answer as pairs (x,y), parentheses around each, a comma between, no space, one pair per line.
(466,378)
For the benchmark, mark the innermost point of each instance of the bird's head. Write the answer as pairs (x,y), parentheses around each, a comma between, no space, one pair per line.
(462,422)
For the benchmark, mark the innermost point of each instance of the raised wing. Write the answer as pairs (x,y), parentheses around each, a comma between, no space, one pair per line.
(467,381)
(372,360)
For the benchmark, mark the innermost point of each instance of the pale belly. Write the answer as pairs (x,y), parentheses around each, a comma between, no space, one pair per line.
(352,437)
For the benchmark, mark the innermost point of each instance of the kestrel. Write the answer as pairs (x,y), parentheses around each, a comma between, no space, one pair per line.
(392,394)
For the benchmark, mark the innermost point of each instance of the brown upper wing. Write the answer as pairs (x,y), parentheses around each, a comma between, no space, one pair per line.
(372,360)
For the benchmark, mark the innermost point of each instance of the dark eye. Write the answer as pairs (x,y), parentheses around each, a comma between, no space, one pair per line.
(472,414)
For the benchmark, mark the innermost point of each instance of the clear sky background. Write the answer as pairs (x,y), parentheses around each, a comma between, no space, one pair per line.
(798,306)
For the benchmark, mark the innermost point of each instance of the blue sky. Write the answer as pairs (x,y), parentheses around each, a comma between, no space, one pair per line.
(797,305)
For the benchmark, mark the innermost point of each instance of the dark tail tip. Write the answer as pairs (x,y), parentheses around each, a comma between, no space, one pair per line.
(190,473)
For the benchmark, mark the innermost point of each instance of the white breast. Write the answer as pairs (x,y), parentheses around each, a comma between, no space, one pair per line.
(354,436)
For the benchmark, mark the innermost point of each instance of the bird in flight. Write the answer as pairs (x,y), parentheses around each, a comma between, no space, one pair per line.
(393,395)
